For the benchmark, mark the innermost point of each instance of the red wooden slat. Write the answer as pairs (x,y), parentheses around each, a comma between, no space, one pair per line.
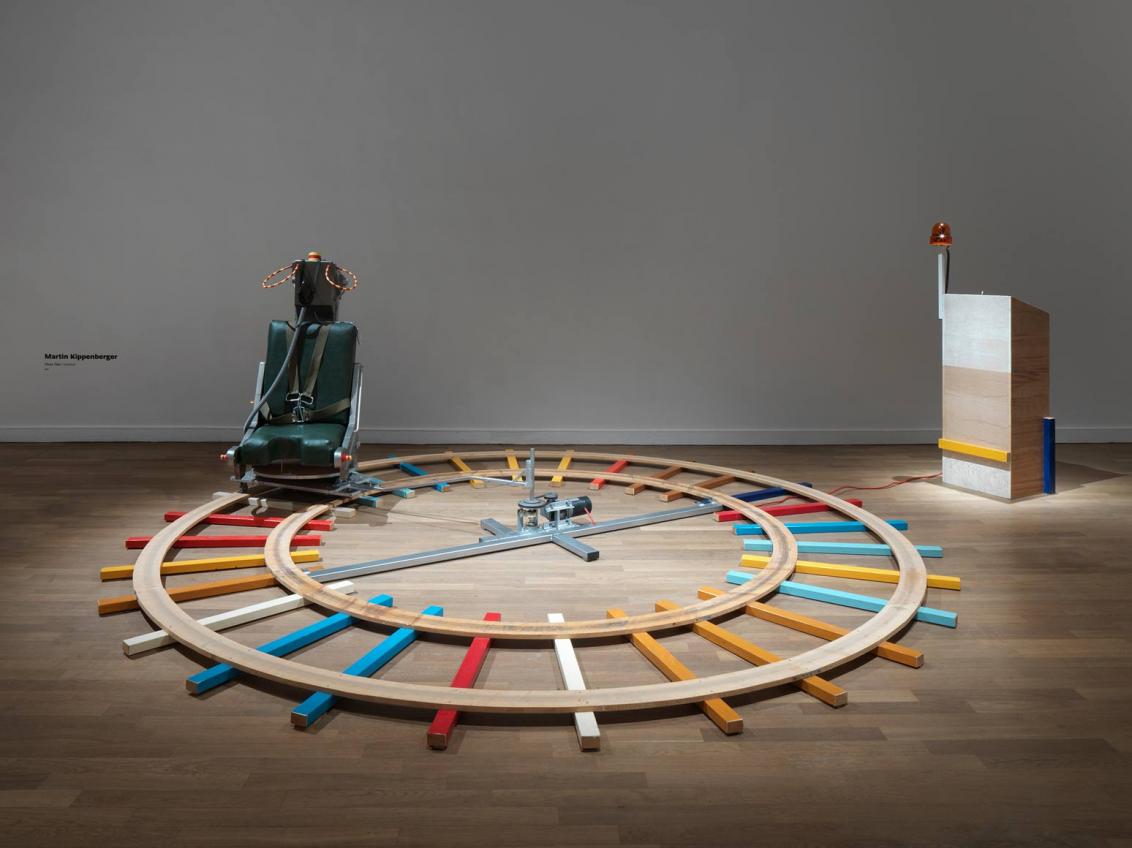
(252,520)
(137,542)
(780,509)
(597,482)
(440,731)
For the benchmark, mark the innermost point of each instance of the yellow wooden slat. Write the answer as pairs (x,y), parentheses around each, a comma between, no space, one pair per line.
(814,686)
(724,717)
(563,464)
(512,462)
(852,572)
(196,566)
(124,603)
(463,466)
(821,629)
(955,446)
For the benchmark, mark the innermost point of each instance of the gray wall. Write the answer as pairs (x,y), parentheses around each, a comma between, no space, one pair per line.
(714,214)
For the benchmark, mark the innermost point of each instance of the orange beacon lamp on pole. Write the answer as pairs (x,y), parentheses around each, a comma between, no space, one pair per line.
(941,237)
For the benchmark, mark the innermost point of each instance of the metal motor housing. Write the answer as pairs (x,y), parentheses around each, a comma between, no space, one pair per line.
(563,509)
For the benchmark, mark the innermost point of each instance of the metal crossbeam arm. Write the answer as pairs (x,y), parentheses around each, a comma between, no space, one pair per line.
(495,528)
(578,549)
(509,542)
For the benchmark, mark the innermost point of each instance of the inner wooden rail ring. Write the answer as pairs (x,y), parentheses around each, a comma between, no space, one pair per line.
(900,609)
(780,567)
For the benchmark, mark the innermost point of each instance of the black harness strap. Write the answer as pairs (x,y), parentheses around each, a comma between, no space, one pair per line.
(300,392)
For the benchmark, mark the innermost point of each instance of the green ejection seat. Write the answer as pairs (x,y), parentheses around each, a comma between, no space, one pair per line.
(308,425)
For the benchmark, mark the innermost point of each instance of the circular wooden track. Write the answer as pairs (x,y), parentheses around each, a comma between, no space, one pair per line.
(897,612)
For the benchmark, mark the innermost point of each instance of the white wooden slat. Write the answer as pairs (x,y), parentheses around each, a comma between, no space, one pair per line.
(231,618)
(589,737)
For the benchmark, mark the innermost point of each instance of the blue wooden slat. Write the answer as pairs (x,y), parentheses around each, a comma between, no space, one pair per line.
(314,707)
(860,548)
(409,468)
(800,527)
(929,615)
(220,673)
(765,494)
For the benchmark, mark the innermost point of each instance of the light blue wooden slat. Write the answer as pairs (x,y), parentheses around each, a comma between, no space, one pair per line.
(800,527)
(409,468)
(220,673)
(929,615)
(859,548)
(314,707)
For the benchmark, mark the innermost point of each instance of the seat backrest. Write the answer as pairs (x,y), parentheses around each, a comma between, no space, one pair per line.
(335,376)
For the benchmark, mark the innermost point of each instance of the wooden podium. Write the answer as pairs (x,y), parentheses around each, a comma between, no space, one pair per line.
(995,394)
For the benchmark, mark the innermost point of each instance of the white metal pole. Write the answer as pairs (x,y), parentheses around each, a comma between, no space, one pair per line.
(941,274)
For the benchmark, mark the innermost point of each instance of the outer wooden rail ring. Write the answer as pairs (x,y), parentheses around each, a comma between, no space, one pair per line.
(899,610)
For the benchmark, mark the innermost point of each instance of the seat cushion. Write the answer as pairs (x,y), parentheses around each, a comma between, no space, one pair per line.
(309,444)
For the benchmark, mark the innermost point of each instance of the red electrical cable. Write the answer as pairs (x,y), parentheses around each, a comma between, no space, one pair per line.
(886,485)
(837,489)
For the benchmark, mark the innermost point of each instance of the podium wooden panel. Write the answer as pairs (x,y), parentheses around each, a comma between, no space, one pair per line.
(995,394)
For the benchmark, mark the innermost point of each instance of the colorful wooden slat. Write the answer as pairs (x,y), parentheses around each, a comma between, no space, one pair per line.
(563,464)
(718,710)
(197,566)
(981,451)
(289,506)
(713,483)
(928,615)
(814,686)
(853,548)
(513,464)
(852,572)
(136,543)
(230,618)
(126,603)
(220,673)
(222,518)
(415,471)
(822,629)
(460,465)
(585,723)
(805,527)
(316,706)
(670,471)
(779,510)
(617,467)
(767,494)
(440,731)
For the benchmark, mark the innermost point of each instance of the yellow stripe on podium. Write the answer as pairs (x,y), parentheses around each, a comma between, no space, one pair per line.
(974,450)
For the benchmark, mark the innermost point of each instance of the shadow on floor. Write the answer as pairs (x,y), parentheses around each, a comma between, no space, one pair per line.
(1071,476)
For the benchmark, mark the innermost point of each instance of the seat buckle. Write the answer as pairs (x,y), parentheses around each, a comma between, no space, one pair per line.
(301,404)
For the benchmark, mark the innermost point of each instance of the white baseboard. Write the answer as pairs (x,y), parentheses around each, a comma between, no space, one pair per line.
(491,436)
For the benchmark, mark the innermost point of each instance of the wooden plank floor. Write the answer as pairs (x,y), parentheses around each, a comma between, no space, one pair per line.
(1017,731)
